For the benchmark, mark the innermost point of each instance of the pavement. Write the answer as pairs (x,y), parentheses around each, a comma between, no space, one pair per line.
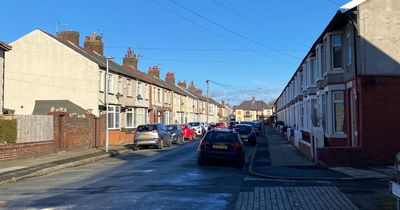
(276,158)
(16,170)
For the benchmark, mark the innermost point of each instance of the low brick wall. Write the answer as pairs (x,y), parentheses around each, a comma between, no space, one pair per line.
(305,149)
(118,137)
(341,156)
(26,150)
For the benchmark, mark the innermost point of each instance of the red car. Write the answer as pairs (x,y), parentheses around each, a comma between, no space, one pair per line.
(220,125)
(188,132)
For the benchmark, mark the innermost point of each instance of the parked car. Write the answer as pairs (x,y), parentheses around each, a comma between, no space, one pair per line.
(220,125)
(252,124)
(247,133)
(188,132)
(176,133)
(221,144)
(197,128)
(232,124)
(152,135)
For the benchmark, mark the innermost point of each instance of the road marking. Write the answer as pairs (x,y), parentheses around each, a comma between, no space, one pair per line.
(315,197)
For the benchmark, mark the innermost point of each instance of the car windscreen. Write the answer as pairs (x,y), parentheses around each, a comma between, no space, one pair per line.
(194,124)
(144,128)
(247,123)
(221,137)
(242,129)
(170,127)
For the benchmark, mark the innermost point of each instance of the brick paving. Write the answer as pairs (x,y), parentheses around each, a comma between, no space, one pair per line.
(310,197)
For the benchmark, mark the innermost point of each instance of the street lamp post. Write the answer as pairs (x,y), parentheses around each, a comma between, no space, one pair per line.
(208,82)
(106,100)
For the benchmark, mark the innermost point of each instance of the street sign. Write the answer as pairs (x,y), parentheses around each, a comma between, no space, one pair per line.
(394,189)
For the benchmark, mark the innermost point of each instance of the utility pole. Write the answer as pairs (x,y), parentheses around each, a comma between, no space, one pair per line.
(208,84)
(106,101)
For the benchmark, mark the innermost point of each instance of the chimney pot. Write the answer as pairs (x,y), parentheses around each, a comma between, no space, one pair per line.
(94,43)
(72,36)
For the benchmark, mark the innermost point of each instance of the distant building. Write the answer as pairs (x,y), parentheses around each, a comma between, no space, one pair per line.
(252,110)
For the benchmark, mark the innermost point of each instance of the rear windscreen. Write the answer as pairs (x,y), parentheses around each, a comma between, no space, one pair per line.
(194,124)
(170,127)
(144,128)
(242,129)
(222,137)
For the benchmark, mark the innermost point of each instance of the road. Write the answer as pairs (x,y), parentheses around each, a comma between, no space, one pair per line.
(168,179)
(147,179)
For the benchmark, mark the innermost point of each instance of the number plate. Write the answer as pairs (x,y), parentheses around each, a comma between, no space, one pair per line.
(145,136)
(219,146)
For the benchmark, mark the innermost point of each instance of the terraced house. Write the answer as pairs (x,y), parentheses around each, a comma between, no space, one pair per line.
(341,105)
(48,71)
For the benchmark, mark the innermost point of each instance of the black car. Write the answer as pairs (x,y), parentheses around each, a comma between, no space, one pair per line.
(255,127)
(176,133)
(221,144)
(247,133)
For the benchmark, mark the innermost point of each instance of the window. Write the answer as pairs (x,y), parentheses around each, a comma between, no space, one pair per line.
(313,71)
(248,114)
(314,113)
(336,41)
(129,120)
(159,95)
(120,87)
(167,117)
(101,81)
(349,54)
(110,83)
(141,116)
(338,111)
(128,87)
(113,117)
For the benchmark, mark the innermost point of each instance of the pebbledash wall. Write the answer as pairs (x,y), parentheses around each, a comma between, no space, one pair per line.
(70,133)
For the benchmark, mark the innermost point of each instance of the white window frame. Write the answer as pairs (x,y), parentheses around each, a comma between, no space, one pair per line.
(110,80)
(102,81)
(131,112)
(129,87)
(334,102)
(115,111)
(333,46)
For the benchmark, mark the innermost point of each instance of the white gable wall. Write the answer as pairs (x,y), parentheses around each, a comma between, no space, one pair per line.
(41,68)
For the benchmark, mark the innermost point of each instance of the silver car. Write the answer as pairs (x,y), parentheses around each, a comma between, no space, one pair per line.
(152,135)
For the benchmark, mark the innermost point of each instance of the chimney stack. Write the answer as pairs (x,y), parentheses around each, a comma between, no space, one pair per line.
(182,84)
(154,71)
(192,88)
(170,78)
(253,99)
(94,43)
(72,36)
(199,92)
(130,59)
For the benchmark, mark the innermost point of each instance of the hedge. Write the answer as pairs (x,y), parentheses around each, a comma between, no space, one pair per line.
(8,131)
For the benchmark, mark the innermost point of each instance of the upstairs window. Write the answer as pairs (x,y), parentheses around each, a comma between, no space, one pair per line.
(336,41)
(128,87)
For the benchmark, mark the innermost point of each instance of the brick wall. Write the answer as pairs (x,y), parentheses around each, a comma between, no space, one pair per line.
(341,156)
(78,133)
(26,150)
(380,118)
(305,149)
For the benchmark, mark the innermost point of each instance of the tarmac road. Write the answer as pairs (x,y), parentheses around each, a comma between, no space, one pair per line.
(147,179)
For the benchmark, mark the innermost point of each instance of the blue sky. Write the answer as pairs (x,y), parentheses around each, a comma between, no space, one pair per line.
(245,48)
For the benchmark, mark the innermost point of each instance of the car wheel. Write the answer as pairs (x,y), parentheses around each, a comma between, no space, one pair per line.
(160,144)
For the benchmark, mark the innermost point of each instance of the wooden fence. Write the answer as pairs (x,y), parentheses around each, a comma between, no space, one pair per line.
(34,128)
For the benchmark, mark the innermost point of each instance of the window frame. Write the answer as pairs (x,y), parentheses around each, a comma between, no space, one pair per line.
(115,111)
(332,50)
(334,111)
